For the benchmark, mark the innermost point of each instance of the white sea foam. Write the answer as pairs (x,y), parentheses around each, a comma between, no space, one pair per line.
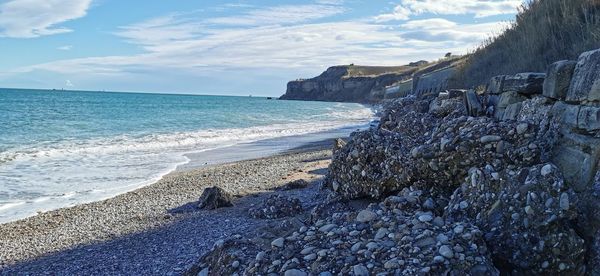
(74,172)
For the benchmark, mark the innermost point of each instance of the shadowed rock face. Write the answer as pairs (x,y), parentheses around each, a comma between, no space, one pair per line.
(526,215)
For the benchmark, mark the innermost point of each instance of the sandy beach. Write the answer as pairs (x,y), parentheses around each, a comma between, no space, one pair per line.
(157,229)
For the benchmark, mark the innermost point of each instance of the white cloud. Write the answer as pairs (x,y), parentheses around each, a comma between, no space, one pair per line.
(479,8)
(287,14)
(68,83)
(34,18)
(65,48)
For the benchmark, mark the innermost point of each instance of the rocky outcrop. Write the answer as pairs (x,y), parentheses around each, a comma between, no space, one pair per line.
(338,84)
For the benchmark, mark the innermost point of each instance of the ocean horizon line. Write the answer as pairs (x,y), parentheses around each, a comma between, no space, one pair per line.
(133,92)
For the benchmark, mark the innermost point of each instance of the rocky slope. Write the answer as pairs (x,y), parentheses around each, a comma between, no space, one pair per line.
(348,84)
(500,182)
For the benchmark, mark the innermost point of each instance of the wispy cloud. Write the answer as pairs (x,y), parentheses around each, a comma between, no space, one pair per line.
(65,48)
(34,18)
(478,8)
(287,14)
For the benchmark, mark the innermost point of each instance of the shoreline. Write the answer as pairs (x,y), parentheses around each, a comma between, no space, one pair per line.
(36,240)
(194,159)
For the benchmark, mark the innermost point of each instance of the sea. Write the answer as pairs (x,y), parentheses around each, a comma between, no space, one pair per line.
(64,148)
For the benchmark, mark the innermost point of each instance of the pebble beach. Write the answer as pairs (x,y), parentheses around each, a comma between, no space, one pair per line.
(157,229)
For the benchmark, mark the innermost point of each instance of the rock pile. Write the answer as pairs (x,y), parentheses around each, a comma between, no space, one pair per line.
(402,235)
(276,206)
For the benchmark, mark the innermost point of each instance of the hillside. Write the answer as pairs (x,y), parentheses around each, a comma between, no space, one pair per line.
(348,83)
(364,84)
(544,31)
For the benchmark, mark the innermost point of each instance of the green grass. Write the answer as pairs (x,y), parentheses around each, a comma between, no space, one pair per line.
(544,31)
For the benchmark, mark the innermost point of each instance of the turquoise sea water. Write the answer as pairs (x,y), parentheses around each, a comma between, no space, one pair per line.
(61,148)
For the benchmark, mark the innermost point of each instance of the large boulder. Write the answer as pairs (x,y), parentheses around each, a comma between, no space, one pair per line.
(577,156)
(495,85)
(506,99)
(214,198)
(524,83)
(585,84)
(370,165)
(527,216)
(472,103)
(558,79)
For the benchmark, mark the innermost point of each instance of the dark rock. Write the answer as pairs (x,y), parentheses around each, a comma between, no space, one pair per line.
(472,103)
(338,144)
(505,100)
(589,118)
(585,84)
(577,156)
(524,83)
(294,185)
(213,198)
(558,79)
(512,111)
(494,87)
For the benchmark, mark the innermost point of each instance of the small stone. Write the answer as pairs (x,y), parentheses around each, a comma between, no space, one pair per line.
(529,210)
(365,216)
(260,256)
(295,272)
(360,270)
(235,264)
(438,221)
(327,228)
(391,264)
(459,229)
(490,139)
(438,259)
(326,273)
(546,170)
(381,233)
(522,128)
(564,201)
(463,205)
(310,257)
(442,238)
(446,252)
(372,246)
(356,247)
(307,250)
(277,242)
(545,264)
(425,218)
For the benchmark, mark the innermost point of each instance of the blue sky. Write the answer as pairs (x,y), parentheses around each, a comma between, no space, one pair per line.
(226,47)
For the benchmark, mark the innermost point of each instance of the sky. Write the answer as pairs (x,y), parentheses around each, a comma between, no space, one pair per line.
(227,47)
